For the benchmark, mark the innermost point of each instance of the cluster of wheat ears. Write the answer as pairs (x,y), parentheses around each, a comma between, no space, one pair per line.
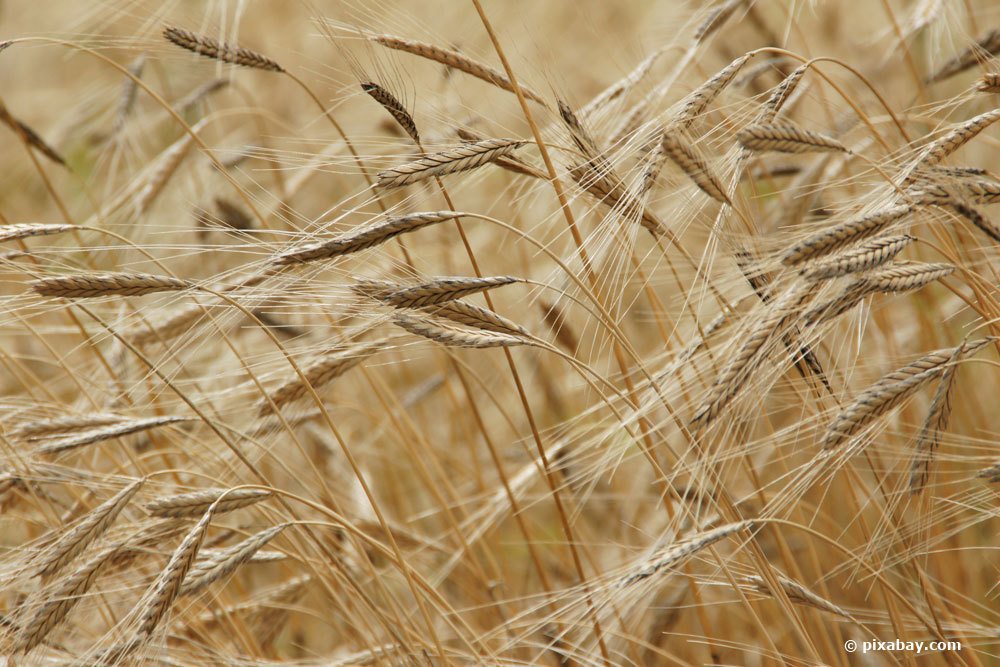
(745,302)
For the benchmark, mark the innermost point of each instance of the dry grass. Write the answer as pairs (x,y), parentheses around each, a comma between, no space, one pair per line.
(560,333)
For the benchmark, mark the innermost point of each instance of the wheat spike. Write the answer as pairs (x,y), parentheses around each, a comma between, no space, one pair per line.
(990,474)
(460,158)
(440,290)
(320,372)
(623,85)
(73,541)
(677,552)
(61,599)
(958,137)
(717,16)
(985,46)
(977,219)
(580,136)
(444,332)
(61,425)
(769,111)
(750,354)
(30,136)
(210,48)
(88,285)
(934,424)
(684,156)
(786,139)
(476,317)
(26,230)
(455,60)
(990,83)
(846,233)
(186,103)
(611,192)
(892,389)
(394,107)
(167,586)
(799,594)
(697,101)
(128,95)
(106,433)
(209,570)
(868,255)
(197,502)
(366,237)
(907,276)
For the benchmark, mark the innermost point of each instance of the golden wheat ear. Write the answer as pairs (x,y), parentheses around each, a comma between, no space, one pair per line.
(210,48)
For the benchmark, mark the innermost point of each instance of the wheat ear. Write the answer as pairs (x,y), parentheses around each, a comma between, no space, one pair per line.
(207,571)
(440,290)
(676,552)
(868,255)
(26,230)
(366,237)
(990,83)
(88,285)
(691,163)
(934,425)
(72,542)
(846,233)
(476,317)
(460,158)
(30,136)
(698,100)
(197,502)
(892,389)
(106,433)
(443,331)
(987,45)
(455,60)
(786,139)
(394,107)
(210,48)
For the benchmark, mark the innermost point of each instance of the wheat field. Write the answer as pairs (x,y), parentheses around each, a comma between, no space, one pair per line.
(473,332)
